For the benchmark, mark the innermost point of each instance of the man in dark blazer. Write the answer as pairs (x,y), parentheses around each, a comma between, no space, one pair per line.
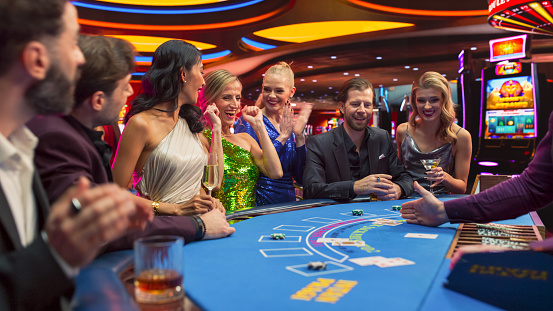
(354,159)
(43,247)
(69,147)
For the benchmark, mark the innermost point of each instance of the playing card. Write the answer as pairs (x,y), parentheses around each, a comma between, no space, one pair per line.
(330,240)
(348,243)
(421,235)
(367,261)
(394,262)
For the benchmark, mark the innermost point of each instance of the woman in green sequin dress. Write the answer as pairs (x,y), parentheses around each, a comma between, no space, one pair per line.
(244,159)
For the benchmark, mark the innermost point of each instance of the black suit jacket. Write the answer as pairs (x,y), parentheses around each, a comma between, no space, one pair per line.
(327,170)
(30,277)
(65,152)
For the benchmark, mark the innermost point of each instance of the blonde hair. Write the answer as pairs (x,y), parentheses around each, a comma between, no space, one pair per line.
(215,83)
(283,69)
(432,79)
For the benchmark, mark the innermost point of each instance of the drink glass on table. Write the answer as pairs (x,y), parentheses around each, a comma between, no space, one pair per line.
(428,165)
(210,178)
(158,269)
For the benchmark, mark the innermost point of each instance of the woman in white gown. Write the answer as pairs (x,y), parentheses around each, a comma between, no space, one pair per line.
(162,146)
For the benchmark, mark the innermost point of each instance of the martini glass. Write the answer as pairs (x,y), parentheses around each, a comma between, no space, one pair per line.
(428,165)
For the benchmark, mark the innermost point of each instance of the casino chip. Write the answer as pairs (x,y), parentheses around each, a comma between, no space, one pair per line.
(316,265)
(396,208)
(357,212)
(278,236)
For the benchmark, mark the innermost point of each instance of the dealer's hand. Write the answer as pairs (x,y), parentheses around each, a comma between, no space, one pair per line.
(427,211)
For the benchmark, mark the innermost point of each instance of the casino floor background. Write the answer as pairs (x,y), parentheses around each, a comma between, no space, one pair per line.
(391,43)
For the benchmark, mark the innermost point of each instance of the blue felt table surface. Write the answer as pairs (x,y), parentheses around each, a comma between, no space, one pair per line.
(250,271)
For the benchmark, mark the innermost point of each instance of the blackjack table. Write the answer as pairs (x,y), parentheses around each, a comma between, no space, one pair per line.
(250,270)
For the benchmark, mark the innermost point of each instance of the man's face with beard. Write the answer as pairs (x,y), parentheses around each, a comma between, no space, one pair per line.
(357,109)
(54,94)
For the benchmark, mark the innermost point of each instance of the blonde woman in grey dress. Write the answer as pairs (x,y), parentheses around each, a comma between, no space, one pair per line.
(162,146)
(431,133)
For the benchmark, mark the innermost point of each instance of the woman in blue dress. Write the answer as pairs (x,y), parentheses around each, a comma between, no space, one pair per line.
(285,131)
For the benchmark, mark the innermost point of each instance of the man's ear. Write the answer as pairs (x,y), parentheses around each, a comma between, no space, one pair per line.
(36,59)
(341,107)
(97,100)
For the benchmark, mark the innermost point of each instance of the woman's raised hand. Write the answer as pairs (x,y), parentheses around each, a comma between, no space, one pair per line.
(211,115)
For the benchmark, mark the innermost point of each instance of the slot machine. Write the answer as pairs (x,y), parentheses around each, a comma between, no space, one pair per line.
(510,105)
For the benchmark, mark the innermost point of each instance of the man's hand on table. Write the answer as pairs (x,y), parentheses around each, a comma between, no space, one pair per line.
(216,225)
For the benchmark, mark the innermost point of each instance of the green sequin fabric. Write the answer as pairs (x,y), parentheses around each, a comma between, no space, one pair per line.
(238,187)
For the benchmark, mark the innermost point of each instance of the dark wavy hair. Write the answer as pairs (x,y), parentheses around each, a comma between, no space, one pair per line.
(161,83)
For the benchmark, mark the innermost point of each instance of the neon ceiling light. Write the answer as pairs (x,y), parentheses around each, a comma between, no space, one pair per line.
(164,11)
(418,12)
(305,32)
(150,44)
(257,45)
(205,57)
(162,2)
(143,27)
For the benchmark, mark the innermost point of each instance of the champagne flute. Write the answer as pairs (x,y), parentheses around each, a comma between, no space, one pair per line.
(428,165)
(211,172)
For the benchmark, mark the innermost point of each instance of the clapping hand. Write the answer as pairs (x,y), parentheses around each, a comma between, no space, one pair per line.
(301,120)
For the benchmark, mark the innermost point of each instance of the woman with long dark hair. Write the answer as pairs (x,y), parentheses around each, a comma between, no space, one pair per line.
(162,146)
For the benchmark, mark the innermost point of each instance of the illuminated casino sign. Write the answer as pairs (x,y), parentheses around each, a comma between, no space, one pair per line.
(508,48)
(508,68)
(522,15)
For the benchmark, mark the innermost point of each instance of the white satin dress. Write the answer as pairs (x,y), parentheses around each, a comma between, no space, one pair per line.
(173,171)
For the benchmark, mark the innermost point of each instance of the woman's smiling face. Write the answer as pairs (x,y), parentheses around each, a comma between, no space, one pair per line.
(276,91)
(228,103)
(429,103)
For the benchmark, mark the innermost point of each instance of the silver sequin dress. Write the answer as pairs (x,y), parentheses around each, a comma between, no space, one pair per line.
(412,157)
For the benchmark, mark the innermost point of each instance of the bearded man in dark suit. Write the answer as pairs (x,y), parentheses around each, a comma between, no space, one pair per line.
(354,159)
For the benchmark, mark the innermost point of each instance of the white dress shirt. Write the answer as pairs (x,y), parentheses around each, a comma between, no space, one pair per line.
(16,177)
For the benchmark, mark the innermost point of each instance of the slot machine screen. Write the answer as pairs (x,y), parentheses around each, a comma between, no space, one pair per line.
(510,124)
(510,93)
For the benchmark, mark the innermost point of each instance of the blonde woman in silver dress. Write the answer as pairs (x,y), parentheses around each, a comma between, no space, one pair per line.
(162,146)
(431,133)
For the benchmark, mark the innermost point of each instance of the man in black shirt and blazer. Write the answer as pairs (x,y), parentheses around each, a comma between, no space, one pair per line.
(354,159)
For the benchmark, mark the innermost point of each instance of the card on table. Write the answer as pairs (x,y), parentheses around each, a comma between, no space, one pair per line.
(330,240)
(394,262)
(421,235)
(367,261)
(348,243)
